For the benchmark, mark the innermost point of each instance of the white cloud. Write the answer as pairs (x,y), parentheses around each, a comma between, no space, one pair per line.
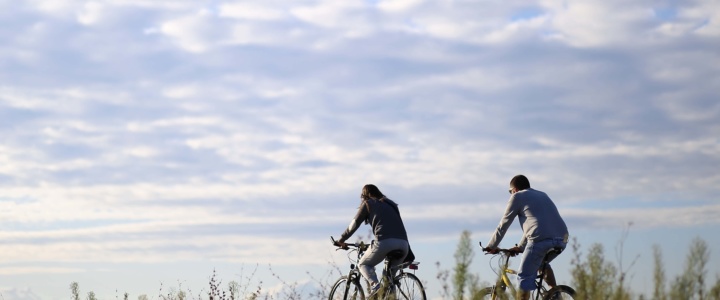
(644,218)
(678,107)
(184,91)
(517,30)
(195,33)
(327,14)
(596,24)
(704,17)
(242,34)
(398,5)
(14,293)
(337,21)
(143,152)
(251,11)
(57,8)
(35,270)
(91,13)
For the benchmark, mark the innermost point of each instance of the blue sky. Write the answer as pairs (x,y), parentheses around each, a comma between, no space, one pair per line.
(147,142)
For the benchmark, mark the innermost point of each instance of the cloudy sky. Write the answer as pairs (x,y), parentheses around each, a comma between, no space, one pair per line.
(146,143)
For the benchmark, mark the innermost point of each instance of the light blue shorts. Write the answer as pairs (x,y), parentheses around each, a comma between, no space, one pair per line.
(532,259)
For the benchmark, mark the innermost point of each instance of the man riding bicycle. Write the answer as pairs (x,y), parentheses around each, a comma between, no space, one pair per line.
(384,217)
(543,229)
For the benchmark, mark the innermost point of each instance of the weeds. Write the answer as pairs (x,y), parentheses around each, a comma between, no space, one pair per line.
(442,276)
(75,290)
(691,284)
(658,275)
(465,285)
(593,277)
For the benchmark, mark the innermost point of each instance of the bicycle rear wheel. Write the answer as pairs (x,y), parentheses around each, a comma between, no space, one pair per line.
(560,292)
(341,290)
(408,287)
(486,294)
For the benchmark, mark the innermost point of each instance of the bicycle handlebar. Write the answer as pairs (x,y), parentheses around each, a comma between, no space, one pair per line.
(359,245)
(507,251)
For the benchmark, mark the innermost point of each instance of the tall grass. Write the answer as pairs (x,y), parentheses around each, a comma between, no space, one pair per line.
(594,277)
(464,282)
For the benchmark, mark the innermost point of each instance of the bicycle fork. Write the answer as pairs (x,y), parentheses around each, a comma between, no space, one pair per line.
(502,284)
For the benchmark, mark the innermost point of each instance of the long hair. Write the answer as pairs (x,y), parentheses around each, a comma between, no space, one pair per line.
(370,191)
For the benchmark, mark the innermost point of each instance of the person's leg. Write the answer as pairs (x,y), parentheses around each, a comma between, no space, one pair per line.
(550,276)
(530,263)
(397,244)
(523,295)
(369,260)
(377,254)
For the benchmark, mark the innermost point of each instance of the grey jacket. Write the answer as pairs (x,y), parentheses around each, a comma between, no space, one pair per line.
(383,216)
(538,216)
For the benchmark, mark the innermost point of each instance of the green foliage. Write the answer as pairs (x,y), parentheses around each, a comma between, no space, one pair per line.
(621,291)
(234,289)
(658,275)
(714,293)
(691,283)
(463,258)
(75,290)
(465,285)
(442,278)
(593,278)
(174,295)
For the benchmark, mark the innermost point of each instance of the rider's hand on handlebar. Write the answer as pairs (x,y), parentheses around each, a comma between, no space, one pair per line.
(492,250)
(515,251)
(341,245)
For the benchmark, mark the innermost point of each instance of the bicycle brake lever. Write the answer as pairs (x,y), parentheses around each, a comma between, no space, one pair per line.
(483,248)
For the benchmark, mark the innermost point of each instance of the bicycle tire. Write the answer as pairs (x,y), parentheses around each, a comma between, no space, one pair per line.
(560,292)
(408,287)
(343,291)
(486,294)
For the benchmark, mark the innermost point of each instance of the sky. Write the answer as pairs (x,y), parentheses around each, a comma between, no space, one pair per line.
(145,144)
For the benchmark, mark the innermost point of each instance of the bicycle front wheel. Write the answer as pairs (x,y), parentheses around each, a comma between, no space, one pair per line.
(487,294)
(344,290)
(408,287)
(560,292)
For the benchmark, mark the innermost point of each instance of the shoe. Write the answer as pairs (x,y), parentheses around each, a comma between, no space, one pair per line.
(373,290)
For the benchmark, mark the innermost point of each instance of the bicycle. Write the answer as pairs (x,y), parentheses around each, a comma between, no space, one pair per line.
(499,290)
(403,286)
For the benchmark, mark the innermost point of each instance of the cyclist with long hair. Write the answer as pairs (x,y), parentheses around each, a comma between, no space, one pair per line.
(383,216)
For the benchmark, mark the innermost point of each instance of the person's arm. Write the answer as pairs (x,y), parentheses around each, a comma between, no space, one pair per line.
(523,242)
(505,222)
(360,216)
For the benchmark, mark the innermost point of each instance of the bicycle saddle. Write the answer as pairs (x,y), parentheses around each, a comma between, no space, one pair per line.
(395,254)
(555,250)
